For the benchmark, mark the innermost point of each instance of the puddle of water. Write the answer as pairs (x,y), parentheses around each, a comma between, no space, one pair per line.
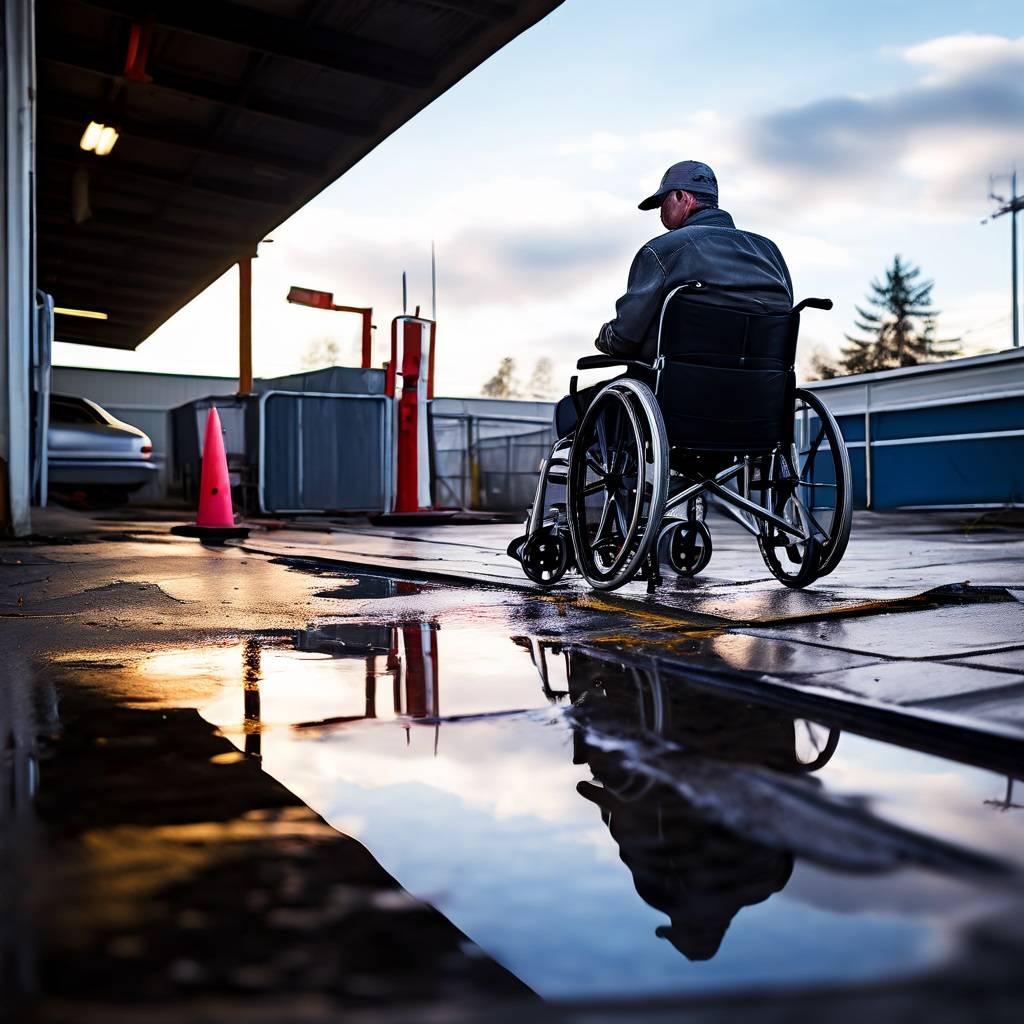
(360,588)
(600,830)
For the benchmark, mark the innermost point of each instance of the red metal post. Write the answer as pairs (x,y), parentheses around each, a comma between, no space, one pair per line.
(367,338)
(245,326)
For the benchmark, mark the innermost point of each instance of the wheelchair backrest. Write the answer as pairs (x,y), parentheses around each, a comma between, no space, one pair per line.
(726,381)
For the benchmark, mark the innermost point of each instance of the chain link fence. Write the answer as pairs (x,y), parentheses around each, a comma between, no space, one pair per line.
(489,461)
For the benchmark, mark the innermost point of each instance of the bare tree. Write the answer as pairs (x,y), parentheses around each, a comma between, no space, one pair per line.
(542,383)
(320,353)
(504,383)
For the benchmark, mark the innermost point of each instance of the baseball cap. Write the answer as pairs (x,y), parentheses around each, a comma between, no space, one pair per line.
(688,175)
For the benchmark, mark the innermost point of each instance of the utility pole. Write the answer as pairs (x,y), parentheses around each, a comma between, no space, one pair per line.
(1012,206)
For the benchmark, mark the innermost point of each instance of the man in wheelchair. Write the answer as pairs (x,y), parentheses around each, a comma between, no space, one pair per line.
(706,408)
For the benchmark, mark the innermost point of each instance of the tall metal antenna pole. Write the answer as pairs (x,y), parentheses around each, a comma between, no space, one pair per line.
(1012,207)
(433,282)
(1015,204)
(405,295)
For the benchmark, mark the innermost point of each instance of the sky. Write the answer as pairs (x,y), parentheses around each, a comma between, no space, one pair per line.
(846,133)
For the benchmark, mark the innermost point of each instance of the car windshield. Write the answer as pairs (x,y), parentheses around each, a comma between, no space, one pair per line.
(72,410)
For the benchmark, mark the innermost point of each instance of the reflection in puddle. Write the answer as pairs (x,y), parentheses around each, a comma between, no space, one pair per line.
(361,588)
(146,862)
(586,820)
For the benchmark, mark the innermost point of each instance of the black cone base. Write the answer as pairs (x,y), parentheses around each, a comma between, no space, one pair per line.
(211,534)
(433,517)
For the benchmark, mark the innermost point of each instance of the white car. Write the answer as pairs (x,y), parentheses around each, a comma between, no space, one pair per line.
(93,455)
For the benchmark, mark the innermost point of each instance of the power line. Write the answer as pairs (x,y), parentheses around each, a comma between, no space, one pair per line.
(985,327)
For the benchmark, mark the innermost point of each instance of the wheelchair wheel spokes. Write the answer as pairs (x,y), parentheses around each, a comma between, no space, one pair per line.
(792,559)
(824,483)
(614,436)
(618,472)
(808,485)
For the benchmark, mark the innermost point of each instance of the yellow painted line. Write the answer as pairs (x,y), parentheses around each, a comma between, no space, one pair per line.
(653,619)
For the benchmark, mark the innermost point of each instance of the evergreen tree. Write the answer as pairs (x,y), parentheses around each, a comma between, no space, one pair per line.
(503,384)
(900,326)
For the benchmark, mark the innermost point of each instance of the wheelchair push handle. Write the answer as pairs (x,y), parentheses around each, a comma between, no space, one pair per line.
(813,304)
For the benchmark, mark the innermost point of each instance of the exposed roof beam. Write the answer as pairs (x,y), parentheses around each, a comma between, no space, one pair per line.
(69,52)
(56,184)
(82,275)
(113,169)
(123,198)
(74,245)
(118,229)
(111,302)
(280,36)
(68,110)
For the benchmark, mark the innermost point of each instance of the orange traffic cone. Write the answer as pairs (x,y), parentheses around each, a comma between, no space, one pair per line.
(215,521)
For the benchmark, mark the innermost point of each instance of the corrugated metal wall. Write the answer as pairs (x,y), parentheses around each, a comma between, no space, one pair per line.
(944,434)
(324,452)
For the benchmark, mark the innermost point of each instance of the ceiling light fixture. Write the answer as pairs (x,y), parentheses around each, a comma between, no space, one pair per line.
(91,136)
(98,138)
(88,314)
(106,140)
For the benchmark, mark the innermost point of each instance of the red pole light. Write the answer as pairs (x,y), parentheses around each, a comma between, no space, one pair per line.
(325,300)
(309,297)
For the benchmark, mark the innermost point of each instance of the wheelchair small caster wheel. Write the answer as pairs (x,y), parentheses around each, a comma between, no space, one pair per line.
(515,548)
(545,557)
(689,547)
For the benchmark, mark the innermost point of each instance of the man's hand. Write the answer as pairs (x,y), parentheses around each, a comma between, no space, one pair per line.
(608,342)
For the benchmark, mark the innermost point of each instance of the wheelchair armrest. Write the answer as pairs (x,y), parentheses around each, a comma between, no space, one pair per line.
(813,304)
(601,362)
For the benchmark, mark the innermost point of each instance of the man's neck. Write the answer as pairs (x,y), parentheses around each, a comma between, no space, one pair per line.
(701,214)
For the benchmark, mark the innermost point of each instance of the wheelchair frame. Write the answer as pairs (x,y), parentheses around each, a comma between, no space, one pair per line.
(546,560)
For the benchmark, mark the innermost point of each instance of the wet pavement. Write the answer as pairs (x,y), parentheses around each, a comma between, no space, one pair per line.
(925,614)
(272,786)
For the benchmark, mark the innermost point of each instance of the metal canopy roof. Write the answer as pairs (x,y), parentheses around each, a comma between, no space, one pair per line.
(252,108)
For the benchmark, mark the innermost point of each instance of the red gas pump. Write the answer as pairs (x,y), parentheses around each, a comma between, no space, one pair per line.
(410,381)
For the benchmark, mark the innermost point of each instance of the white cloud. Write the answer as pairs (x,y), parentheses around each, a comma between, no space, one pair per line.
(948,58)
(920,153)
(530,265)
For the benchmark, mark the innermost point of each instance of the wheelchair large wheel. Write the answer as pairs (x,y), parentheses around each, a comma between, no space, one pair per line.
(826,482)
(617,483)
(809,486)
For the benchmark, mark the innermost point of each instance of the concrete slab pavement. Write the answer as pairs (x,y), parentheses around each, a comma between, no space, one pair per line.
(891,555)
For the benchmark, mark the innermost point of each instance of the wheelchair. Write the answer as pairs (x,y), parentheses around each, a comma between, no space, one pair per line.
(715,419)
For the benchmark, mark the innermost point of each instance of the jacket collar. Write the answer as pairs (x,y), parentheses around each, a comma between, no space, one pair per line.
(710,217)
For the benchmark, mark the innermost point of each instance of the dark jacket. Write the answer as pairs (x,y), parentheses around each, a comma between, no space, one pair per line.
(708,248)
